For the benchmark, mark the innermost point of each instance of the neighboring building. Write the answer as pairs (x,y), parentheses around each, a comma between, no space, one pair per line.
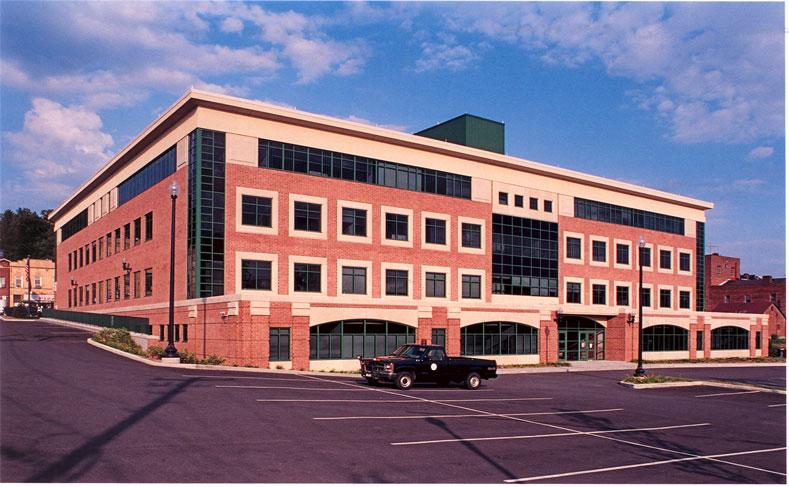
(720,269)
(303,241)
(14,285)
(777,319)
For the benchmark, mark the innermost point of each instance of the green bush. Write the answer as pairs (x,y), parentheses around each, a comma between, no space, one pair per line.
(119,338)
(155,352)
(654,379)
(188,357)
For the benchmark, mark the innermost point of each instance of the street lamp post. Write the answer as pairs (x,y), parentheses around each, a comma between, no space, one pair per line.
(640,372)
(170,352)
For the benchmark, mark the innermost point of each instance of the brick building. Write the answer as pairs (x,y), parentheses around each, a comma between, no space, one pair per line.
(303,241)
(14,282)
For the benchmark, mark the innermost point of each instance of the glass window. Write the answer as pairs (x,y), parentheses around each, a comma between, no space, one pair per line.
(396,226)
(439,337)
(93,251)
(665,259)
(148,226)
(533,203)
(646,257)
(396,282)
(307,278)
(256,211)
(519,201)
(126,285)
(307,216)
(574,292)
(148,281)
(256,274)
(471,286)
(435,284)
(665,338)
(699,341)
(646,297)
(620,215)
(184,335)
(279,344)
(622,296)
(684,299)
(354,222)
(547,206)
(137,283)
(435,231)
(498,338)
(684,261)
(599,294)
(525,257)
(503,198)
(354,280)
(109,244)
(665,298)
(349,338)
(101,248)
(126,236)
(622,254)
(471,235)
(573,248)
(152,173)
(758,344)
(730,338)
(108,285)
(599,251)
(137,231)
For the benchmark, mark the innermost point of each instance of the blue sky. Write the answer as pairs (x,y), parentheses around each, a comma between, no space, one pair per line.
(682,97)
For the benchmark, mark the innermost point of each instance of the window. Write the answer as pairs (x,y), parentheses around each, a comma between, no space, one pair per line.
(719,270)
(184,334)
(574,292)
(354,222)
(533,203)
(471,235)
(684,299)
(684,261)
(148,281)
(519,201)
(699,341)
(435,231)
(37,281)
(498,338)
(354,280)
(279,344)
(396,282)
(126,286)
(256,210)
(730,338)
(665,338)
(307,216)
(161,333)
(646,256)
(81,257)
(137,275)
(472,286)
(93,251)
(665,298)
(573,248)
(109,290)
(152,173)
(117,240)
(137,231)
(82,297)
(547,206)
(93,293)
(758,344)
(646,297)
(620,215)
(439,336)
(599,251)
(109,244)
(622,254)
(727,299)
(598,294)
(396,226)
(101,292)
(622,296)
(101,248)
(256,274)
(525,266)
(69,261)
(747,298)
(368,338)
(176,331)
(504,198)
(148,226)
(69,298)
(665,259)
(435,284)
(126,236)
(773,298)
(307,278)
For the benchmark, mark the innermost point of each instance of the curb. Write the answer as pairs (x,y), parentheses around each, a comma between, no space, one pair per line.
(724,385)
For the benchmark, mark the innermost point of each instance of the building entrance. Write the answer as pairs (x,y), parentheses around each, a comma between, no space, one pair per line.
(581,339)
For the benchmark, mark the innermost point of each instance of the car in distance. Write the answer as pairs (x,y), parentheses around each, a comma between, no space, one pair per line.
(425,363)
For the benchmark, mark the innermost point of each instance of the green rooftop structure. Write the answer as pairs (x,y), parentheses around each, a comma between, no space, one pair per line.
(471,131)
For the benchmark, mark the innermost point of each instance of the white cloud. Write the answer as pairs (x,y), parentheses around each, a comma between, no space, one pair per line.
(758,153)
(446,54)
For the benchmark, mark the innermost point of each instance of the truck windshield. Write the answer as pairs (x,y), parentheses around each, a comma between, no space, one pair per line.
(412,351)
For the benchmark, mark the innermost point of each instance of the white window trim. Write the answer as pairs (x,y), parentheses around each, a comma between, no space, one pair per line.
(299,259)
(629,244)
(679,271)
(602,282)
(447,237)
(595,238)
(274,228)
(482,235)
(447,282)
(367,265)
(397,267)
(292,199)
(672,263)
(579,236)
(471,272)
(397,243)
(273,258)
(579,280)
(357,206)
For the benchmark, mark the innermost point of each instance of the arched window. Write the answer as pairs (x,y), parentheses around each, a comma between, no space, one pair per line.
(665,338)
(349,338)
(730,338)
(498,338)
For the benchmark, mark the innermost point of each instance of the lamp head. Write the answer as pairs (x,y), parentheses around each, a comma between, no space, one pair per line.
(642,242)
(174,189)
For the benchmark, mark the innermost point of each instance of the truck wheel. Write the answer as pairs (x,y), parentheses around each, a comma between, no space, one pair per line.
(472,381)
(404,380)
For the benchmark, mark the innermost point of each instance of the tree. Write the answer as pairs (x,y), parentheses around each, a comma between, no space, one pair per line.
(24,233)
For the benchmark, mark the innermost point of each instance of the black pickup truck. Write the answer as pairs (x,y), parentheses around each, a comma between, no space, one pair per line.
(425,363)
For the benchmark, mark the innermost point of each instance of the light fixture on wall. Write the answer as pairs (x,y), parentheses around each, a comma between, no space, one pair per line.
(631,317)
(126,267)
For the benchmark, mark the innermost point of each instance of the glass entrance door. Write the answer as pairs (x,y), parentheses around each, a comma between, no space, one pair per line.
(581,339)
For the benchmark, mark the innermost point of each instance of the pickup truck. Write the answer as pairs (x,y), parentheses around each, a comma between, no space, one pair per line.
(425,363)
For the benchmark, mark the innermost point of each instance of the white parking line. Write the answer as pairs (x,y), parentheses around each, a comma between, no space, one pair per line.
(292,388)
(546,435)
(413,399)
(300,379)
(451,416)
(777,406)
(729,393)
(650,464)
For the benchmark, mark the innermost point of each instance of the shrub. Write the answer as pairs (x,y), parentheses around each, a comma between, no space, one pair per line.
(654,379)
(188,357)
(155,352)
(119,338)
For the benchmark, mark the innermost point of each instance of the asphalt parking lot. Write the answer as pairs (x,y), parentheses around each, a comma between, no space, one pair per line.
(73,413)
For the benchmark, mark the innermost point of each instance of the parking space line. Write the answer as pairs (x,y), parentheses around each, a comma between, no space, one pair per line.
(412,399)
(650,464)
(546,435)
(729,393)
(450,416)
(291,388)
(246,378)
(777,406)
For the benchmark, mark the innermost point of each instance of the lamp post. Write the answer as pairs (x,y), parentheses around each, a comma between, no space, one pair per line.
(640,372)
(170,352)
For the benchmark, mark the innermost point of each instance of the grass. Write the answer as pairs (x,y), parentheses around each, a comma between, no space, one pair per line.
(654,379)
